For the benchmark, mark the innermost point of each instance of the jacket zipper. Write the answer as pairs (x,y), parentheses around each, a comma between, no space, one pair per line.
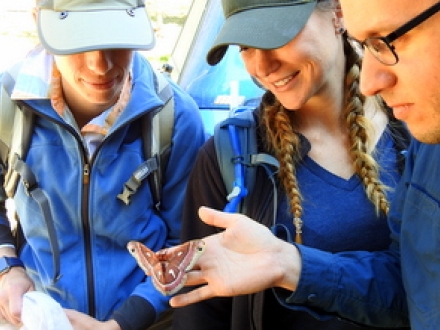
(87,237)
(86,165)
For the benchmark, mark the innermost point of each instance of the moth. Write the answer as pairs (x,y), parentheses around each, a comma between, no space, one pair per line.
(167,267)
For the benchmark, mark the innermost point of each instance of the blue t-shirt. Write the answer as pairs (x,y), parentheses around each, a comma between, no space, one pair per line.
(337,216)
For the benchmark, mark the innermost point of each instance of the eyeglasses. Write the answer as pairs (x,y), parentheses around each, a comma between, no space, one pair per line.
(381,47)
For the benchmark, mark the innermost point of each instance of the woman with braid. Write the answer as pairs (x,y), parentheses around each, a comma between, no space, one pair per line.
(339,156)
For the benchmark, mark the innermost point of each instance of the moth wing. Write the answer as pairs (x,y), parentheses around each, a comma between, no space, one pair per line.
(145,258)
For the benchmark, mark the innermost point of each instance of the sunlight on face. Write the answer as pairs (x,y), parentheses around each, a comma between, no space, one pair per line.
(304,68)
(94,79)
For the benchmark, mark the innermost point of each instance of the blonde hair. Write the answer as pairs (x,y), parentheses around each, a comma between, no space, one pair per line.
(284,142)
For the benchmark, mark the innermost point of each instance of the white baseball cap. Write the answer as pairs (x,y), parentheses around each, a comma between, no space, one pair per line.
(75,26)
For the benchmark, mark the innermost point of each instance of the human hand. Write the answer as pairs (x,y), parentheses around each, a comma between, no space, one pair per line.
(245,258)
(13,285)
(81,321)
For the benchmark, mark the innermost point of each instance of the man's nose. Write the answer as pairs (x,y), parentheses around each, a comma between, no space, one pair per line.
(99,61)
(375,76)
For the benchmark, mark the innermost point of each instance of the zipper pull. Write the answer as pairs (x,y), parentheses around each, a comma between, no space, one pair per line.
(86,174)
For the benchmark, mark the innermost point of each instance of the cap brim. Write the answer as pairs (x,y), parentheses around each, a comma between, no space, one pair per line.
(262,28)
(94,30)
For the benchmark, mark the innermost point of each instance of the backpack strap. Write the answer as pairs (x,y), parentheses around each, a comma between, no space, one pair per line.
(15,130)
(156,130)
(7,111)
(239,158)
(163,126)
(16,126)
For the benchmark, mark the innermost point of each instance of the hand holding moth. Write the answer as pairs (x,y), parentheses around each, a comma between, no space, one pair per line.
(167,267)
(245,258)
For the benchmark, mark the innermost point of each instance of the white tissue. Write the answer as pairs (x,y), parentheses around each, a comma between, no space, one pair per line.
(41,312)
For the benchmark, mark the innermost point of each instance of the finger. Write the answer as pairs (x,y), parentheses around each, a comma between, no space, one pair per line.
(2,316)
(15,307)
(12,310)
(191,297)
(194,278)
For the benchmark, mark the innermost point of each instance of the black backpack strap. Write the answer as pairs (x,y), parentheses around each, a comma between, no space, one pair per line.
(238,159)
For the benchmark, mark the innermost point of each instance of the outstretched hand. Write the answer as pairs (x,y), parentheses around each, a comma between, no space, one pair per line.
(244,258)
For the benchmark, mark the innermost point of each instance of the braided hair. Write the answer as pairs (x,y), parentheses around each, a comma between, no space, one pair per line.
(284,142)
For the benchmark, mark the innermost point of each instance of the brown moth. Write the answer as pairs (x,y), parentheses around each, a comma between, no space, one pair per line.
(167,267)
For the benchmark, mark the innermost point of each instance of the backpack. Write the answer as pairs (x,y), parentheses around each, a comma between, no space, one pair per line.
(238,160)
(16,130)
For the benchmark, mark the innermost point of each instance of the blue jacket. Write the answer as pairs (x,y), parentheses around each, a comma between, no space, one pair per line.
(92,226)
(339,281)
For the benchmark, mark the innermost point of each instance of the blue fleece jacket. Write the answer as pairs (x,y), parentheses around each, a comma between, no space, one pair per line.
(92,226)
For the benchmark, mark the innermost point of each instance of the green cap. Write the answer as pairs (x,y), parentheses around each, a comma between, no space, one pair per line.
(262,24)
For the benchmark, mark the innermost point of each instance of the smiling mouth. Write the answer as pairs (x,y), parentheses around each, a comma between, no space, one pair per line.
(100,85)
(284,81)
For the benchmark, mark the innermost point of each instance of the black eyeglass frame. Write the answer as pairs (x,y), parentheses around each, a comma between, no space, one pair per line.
(405,28)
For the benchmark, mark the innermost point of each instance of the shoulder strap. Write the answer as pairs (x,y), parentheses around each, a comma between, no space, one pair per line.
(16,125)
(7,111)
(156,129)
(15,130)
(238,159)
(160,145)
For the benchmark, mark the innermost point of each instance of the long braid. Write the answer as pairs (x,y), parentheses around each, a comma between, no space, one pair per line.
(364,164)
(285,143)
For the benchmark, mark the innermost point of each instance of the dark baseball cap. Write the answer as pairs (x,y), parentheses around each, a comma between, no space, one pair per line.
(262,24)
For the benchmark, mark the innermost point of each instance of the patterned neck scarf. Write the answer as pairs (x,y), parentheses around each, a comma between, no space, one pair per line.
(60,106)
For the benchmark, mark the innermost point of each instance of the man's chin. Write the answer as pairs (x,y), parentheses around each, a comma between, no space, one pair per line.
(427,136)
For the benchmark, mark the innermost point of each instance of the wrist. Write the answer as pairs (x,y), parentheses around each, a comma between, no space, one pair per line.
(7,263)
(290,265)
(112,325)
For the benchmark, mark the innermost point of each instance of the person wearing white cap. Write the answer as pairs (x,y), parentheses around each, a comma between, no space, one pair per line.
(340,156)
(88,89)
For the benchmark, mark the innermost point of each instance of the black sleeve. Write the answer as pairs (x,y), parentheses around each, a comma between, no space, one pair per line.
(205,188)
(135,313)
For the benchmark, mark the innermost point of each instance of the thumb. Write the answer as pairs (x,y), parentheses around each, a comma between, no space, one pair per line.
(217,218)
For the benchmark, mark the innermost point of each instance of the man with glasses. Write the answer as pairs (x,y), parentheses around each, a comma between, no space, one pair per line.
(402,64)
(401,39)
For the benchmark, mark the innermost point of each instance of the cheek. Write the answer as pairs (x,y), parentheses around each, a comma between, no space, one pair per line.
(66,66)
(123,59)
